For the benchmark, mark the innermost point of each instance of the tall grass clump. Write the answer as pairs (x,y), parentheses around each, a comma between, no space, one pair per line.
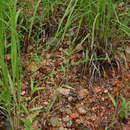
(10,71)
(103,20)
(107,27)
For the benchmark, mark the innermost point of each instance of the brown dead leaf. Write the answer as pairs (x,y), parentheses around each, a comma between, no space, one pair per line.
(23,93)
(115,90)
(24,87)
(82,82)
(35,125)
(121,4)
(58,53)
(78,121)
(97,90)
(115,82)
(32,66)
(81,110)
(129,64)
(103,99)
(72,61)
(74,115)
(65,42)
(83,93)
(93,109)
(113,73)
(63,91)
(46,127)
(8,57)
(106,76)
(80,48)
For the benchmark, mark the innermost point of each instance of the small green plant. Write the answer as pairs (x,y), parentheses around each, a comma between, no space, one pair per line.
(34,88)
(32,113)
(124,108)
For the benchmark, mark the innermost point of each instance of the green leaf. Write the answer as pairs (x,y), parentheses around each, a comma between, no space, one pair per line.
(36,108)
(113,100)
(1,83)
(34,99)
(27,123)
(34,115)
(49,106)
(124,108)
(25,109)
(36,89)
(68,86)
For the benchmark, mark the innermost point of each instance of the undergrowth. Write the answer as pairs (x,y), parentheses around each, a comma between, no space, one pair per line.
(97,28)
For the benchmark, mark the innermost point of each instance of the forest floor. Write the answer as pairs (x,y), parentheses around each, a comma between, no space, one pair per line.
(75,100)
(69,96)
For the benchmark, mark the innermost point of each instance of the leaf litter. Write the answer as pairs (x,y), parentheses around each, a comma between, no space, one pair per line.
(86,106)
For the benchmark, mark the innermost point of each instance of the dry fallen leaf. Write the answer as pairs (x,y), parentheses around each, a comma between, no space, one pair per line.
(35,125)
(97,90)
(83,93)
(74,115)
(93,109)
(32,66)
(8,57)
(81,110)
(103,99)
(63,91)
(115,90)
(106,76)
(115,82)
(23,93)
